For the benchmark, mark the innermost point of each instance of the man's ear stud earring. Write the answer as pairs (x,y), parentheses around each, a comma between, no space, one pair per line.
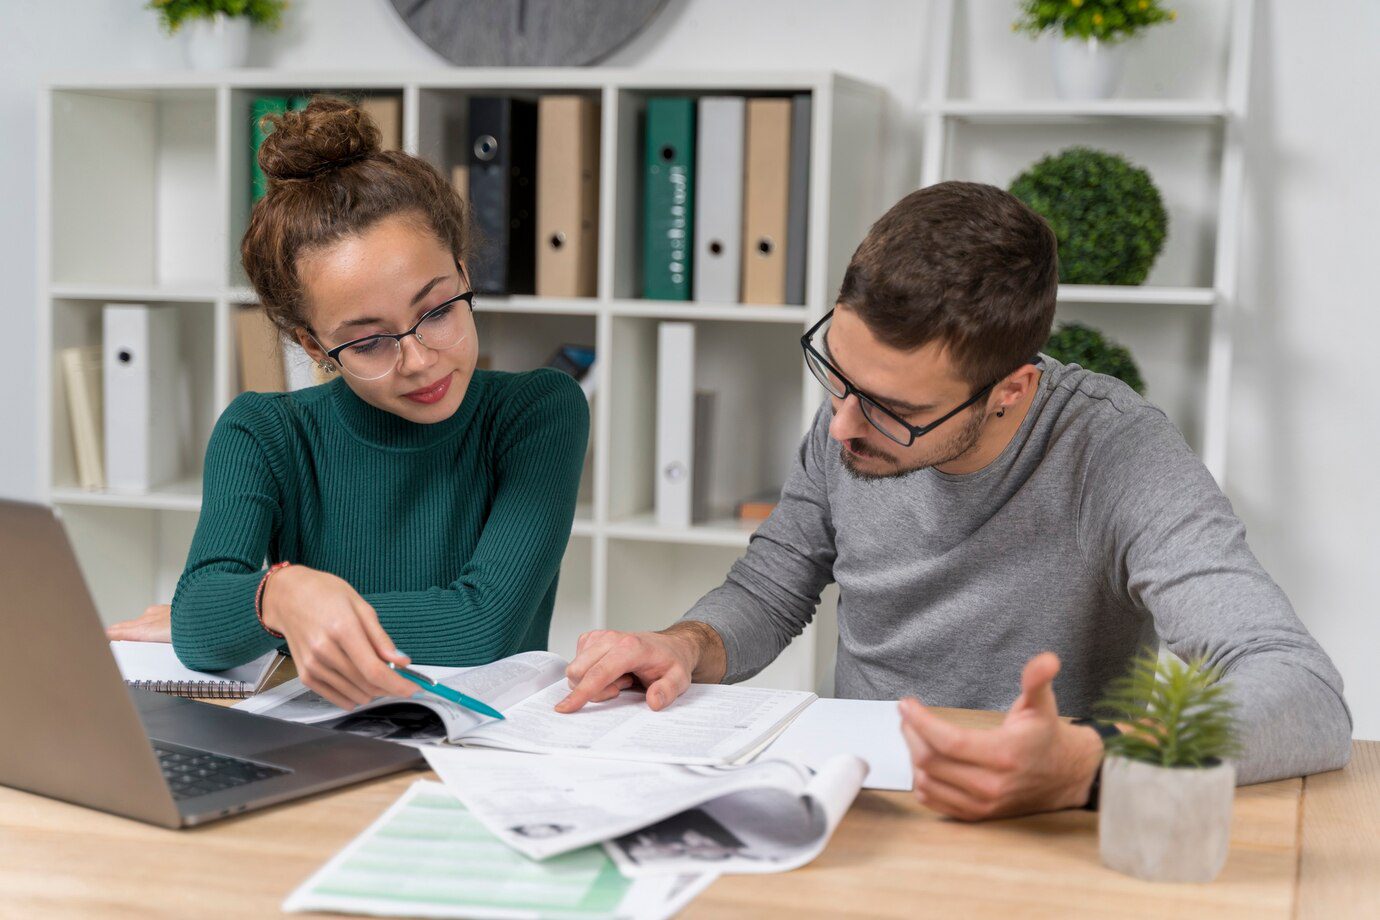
(1001,413)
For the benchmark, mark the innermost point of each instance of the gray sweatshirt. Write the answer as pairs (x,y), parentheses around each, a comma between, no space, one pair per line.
(1096,533)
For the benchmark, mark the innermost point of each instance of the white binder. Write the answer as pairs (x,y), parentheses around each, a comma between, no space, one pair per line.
(142,449)
(675,424)
(718,264)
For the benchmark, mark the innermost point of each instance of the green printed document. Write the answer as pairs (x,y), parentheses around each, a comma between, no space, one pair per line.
(429,857)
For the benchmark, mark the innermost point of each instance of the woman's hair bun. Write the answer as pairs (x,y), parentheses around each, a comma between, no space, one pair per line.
(327,134)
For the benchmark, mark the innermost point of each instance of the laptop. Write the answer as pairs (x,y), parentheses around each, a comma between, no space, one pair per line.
(72,730)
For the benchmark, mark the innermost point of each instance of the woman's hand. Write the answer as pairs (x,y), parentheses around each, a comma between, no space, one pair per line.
(339,647)
(154,626)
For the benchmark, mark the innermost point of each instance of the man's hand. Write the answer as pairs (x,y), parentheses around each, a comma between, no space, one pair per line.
(154,626)
(1033,762)
(607,662)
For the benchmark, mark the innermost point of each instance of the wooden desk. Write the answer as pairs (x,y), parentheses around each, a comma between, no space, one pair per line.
(1300,848)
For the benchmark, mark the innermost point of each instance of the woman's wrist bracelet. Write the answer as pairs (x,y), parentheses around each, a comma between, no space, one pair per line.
(259,599)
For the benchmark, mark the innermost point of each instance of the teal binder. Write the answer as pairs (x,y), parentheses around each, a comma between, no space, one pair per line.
(668,235)
(267,105)
(263,105)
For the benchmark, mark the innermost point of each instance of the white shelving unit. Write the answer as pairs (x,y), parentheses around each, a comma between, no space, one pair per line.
(144,197)
(1119,120)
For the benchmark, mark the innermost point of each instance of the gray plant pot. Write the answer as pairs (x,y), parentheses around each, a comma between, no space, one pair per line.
(1165,824)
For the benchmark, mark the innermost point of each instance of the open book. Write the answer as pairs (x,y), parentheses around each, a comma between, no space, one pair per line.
(653,819)
(709,724)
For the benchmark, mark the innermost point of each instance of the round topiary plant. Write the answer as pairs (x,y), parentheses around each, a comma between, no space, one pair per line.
(1106,213)
(1075,343)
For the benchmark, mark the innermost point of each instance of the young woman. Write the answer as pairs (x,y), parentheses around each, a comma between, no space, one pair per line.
(412,508)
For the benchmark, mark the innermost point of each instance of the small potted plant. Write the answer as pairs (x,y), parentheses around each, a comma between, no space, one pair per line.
(1075,343)
(216,32)
(1106,213)
(1089,48)
(1167,781)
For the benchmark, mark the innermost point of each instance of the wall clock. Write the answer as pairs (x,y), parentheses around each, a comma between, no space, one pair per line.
(526,33)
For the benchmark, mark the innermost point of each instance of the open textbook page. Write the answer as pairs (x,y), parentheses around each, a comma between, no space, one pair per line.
(428,857)
(709,724)
(502,684)
(656,819)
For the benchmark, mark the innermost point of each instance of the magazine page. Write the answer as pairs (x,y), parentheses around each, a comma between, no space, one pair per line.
(502,684)
(747,832)
(709,724)
(546,806)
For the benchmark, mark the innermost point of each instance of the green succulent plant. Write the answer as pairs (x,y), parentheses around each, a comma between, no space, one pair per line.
(1106,214)
(1171,714)
(1075,343)
(173,13)
(1105,20)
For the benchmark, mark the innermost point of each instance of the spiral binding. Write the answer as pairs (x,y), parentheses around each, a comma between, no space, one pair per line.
(200,689)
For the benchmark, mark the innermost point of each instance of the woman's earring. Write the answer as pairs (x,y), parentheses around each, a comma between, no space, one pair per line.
(326,366)
(1001,413)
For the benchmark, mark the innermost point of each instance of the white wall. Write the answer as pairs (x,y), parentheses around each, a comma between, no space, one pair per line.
(1306,432)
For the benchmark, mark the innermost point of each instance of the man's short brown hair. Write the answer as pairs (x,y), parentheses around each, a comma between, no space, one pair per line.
(962,263)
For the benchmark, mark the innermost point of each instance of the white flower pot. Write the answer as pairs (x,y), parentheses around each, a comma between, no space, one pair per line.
(1165,824)
(1087,69)
(217,42)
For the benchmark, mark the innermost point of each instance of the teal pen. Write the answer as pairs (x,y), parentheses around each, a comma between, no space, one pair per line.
(446,693)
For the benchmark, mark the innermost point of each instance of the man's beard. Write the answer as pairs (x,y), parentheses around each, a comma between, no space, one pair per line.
(962,442)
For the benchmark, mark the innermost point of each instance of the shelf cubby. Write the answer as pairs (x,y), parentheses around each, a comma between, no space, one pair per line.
(78,323)
(1179,113)
(134,194)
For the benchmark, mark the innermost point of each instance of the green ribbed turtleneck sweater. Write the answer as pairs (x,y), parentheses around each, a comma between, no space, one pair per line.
(453,532)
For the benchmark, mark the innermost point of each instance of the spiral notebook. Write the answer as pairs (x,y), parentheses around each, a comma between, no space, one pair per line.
(154,666)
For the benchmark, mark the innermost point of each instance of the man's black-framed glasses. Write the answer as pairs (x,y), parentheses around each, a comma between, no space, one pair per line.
(883,419)
(375,356)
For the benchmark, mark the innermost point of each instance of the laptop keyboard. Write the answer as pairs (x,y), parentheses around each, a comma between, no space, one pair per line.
(191,773)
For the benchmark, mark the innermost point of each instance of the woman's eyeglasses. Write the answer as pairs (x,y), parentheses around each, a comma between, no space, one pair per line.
(375,356)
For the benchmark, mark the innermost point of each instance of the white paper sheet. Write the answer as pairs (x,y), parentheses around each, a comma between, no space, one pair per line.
(871,729)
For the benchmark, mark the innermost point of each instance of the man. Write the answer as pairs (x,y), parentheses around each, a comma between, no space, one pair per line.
(980,507)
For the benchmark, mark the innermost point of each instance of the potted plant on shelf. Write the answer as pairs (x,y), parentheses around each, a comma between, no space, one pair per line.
(1167,782)
(1075,343)
(1106,213)
(216,32)
(1090,36)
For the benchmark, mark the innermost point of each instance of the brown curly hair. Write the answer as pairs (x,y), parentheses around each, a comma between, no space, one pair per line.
(329,178)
